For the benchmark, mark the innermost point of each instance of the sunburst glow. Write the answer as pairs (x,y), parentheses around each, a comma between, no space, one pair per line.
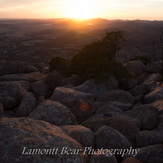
(80,9)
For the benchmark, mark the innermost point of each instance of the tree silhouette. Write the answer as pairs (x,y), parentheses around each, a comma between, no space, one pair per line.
(95,60)
(111,44)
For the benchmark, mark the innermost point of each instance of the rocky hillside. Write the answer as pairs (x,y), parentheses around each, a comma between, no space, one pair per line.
(47,118)
(40,40)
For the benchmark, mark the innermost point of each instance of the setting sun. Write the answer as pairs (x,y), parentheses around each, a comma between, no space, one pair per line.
(80,9)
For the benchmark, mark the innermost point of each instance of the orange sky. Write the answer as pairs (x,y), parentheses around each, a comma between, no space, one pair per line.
(109,9)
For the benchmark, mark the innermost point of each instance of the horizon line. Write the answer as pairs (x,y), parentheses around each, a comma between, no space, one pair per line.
(79,19)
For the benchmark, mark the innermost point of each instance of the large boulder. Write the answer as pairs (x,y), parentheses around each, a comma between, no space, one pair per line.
(23,67)
(26,85)
(30,77)
(111,110)
(140,90)
(147,114)
(26,140)
(153,96)
(146,138)
(109,138)
(138,98)
(74,79)
(151,77)
(7,102)
(13,67)
(63,94)
(71,103)
(27,105)
(121,105)
(54,79)
(155,136)
(135,121)
(136,67)
(128,84)
(116,95)
(151,68)
(53,112)
(13,89)
(107,108)
(122,99)
(92,87)
(41,88)
(103,156)
(39,66)
(81,134)
(125,127)
(151,154)
(11,92)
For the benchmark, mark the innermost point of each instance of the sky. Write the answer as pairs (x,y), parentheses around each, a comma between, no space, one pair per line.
(109,9)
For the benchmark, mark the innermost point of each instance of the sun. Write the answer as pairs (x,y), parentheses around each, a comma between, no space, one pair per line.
(81,9)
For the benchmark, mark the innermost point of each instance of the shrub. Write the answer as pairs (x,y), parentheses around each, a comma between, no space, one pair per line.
(99,69)
(59,64)
(94,61)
